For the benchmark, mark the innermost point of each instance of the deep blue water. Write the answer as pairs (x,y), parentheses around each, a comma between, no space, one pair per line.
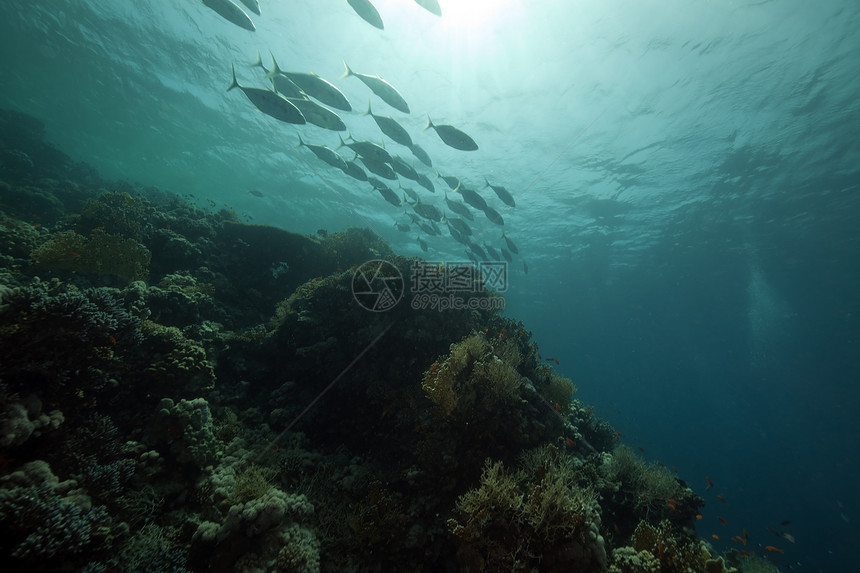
(686,179)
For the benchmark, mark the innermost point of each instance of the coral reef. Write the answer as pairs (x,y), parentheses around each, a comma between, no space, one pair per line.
(181,391)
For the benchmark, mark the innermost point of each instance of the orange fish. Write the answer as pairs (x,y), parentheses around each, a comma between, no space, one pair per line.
(74,255)
(112,339)
(723,521)
(742,540)
(672,501)
(773,549)
(722,499)
(641,449)
(746,554)
(674,469)
(570,442)
(673,507)
(715,536)
(710,483)
(699,516)
(557,407)
(660,548)
(745,534)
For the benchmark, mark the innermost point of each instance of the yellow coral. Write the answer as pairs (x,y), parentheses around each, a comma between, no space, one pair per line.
(502,381)
(102,254)
(559,390)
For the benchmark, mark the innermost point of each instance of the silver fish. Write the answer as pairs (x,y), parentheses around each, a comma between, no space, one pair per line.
(455,234)
(452,136)
(387,193)
(379,168)
(452,181)
(492,252)
(425,227)
(318,115)
(402,227)
(326,154)
(525,267)
(282,84)
(425,182)
(254,6)
(270,103)
(381,88)
(421,244)
(477,250)
(511,246)
(411,192)
(502,193)
(367,149)
(391,128)
(422,156)
(459,208)
(316,87)
(404,169)
(431,6)
(367,12)
(471,197)
(493,215)
(507,255)
(461,226)
(427,211)
(231,12)
(354,170)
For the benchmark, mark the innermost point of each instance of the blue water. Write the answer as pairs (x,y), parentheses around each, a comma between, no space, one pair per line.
(686,178)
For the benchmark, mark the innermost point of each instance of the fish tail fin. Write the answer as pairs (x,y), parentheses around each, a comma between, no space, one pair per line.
(301,143)
(487,181)
(368,112)
(342,142)
(235,83)
(275,69)
(429,123)
(259,63)
(348,71)
(457,189)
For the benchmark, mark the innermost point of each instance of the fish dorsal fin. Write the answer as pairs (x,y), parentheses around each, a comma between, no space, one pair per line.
(348,71)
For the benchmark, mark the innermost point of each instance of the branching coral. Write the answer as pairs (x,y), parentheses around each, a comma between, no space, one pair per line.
(515,520)
(676,551)
(46,520)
